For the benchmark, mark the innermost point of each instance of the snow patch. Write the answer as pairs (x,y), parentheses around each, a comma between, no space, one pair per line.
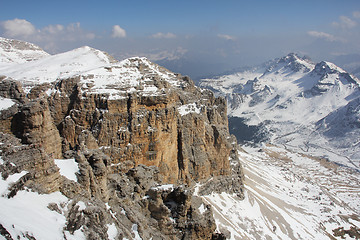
(68,168)
(189,108)
(4,184)
(5,103)
(134,229)
(165,187)
(36,219)
(112,231)
(82,205)
(202,209)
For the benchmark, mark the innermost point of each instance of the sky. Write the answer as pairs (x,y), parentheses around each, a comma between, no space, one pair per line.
(194,37)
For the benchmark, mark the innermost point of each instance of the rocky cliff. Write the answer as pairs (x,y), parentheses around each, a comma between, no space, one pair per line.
(141,137)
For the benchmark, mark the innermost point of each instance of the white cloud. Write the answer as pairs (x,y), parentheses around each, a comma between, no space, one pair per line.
(345,23)
(53,29)
(50,37)
(356,14)
(118,32)
(18,28)
(73,27)
(226,37)
(326,36)
(160,35)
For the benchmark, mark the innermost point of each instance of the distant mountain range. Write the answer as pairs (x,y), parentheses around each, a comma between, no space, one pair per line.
(312,107)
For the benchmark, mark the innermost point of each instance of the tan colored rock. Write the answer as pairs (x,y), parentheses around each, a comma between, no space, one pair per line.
(34,125)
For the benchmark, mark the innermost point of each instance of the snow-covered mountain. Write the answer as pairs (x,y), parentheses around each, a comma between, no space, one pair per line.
(98,72)
(15,51)
(289,99)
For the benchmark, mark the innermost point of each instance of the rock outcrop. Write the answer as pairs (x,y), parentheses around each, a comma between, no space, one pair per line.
(140,147)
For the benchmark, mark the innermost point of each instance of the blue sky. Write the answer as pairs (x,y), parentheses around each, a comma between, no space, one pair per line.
(220,34)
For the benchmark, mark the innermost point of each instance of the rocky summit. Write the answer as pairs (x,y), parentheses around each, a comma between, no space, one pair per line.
(111,150)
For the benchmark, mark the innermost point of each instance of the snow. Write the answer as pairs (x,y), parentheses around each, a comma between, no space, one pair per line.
(82,205)
(4,184)
(165,187)
(112,231)
(289,100)
(288,195)
(134,229)
(98,73)
(36,219)
(13,52)
(5,103)
(68,168)
(202,209)
(77,235)
(189,108)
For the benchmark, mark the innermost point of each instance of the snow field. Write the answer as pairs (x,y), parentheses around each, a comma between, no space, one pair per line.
(288,196)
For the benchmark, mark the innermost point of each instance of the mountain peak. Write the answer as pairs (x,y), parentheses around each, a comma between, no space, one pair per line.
(327,67)
(293,57)
(292,62)
(15,51)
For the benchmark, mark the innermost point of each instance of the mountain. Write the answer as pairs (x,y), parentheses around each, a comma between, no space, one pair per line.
(15,51)
(288,99)
(303,178)
(349,62)
(93,148)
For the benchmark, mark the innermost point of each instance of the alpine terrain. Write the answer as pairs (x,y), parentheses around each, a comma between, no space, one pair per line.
(300,126)
(95,148)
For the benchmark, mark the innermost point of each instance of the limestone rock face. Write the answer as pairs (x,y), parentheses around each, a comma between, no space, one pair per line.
(125,201)
(34,125)
(181,129)
(141,137)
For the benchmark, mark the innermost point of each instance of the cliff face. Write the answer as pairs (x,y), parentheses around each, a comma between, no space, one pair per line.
(182,130)
(146,128)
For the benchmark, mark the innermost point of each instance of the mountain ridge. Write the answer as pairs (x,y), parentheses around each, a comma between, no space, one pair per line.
(15,51)
(289,98)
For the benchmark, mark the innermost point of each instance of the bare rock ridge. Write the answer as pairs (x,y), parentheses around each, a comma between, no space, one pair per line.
(142,138)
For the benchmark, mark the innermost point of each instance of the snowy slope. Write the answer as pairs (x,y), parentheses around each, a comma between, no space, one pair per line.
(14,51)
(51,68)
(289,98)
(98,72)
(289,196)
(34,211)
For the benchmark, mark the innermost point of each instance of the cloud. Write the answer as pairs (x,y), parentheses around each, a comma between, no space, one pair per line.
(345,23)
(52,37)
(25,30)
(326,36)
(118,32)
(160,35)
(18,28)
(53,29)
(356,14)
(226,37)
